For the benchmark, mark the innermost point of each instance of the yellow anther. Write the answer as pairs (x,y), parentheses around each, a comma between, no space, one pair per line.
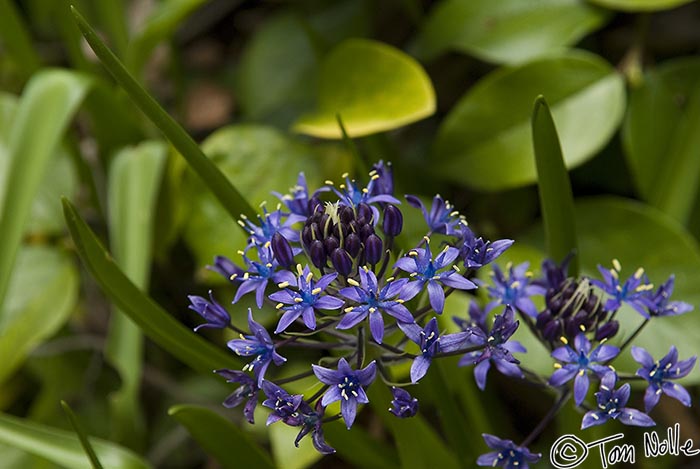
(563,340)
(616,265)
(639,272)
(246,276)
(240,222)
(353,282)
(557,365)
(348,309)
(344,175)
(329,182)
(283,285)
(279,305)
(298,300)
(309,276)
(233,277)
(300,270)
(316,291)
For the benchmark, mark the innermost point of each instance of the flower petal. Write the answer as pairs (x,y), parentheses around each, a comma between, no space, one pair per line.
(328,302)
(677,392)
(376,326)
(480,372)
(419,368)
(581,383)
(436,295)
(348,407)
(635,418)
(593,418)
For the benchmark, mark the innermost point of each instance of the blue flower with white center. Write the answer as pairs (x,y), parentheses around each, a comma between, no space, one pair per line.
(578,361)
(659,304)
(347,386)
(611,405)
(424,270)
(213,313)
(475,251)
(290,409)
(268,224)
(403,405)
(247,391)
(305,300)
(442,218)
(635,291)
(258,275)
(515,289)
(507,454)
(431,343)
(371,301)
(497,349)
(659,375)
(258,345)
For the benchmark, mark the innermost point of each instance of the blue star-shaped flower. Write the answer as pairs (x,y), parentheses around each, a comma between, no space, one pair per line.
(507,454)
(634,291)
(403,405)
(305,300)
(497,349)
(475,251)
(285,407)
(578,362)
(347,386)
(373,302)
(659,375)
(659,304)
(431,343)
(420,265)
(258,345)
(442,219)
(611,405)
(248,390)
(258,275)
(515,289)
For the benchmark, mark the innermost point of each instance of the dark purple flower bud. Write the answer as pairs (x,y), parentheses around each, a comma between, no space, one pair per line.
(365,231)
(607,330)
(317,253)
(331,244)
(393,221)
(341,262)
(552,331)
(543,319)
(282,249)
(364,211)
(324,224)
(373,249)
(346,214)
(307,236)
(353,244)
(213,313)
(360,222)
(316,231)
(403,405)
(338,229)
(315,204)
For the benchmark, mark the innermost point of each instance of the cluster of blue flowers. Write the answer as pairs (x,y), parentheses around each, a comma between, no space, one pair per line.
(330,264)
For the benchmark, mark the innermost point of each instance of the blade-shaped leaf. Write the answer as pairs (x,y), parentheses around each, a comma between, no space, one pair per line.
(231,446)
(134,179)
(373,86)
(155,322)
(556,198)
(227,194)
(46,107)
(640,5)
(62,447)
(82,436)
(15,38)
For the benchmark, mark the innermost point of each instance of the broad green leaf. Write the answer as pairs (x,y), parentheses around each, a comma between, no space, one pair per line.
(372,86)
(661,136)
(506,31)
(358,448)
(46,107)
(155,322)
(62,447)
(262,160)
(483,146)
(639,236)
(82,436)
(31,315)
(134,179)
(640,5)
(556,198)
(231,446)
(227,194)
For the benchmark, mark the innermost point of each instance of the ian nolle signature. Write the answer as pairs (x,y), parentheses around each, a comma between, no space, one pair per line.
(569,451)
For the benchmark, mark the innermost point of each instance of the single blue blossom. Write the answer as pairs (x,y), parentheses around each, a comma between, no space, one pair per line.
(384,182)
(372,302)
(227,269)
(298,200)
(347,386)
(659,375)
(258,275)
(515,289)
(247,391)
(659,304)
(285,407)
(634,291)
(578,361)
(431,343)
(442,218)
(258,345)
(420,265)
(403,405)
(268,224)
(611,405)
(475,252)
(507,454)
(497,349)
(213,313)
(305,300)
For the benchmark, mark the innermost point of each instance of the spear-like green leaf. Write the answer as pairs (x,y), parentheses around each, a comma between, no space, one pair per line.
(155,322)
(228,195)
(232,447)
(556,198)
(82,436)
